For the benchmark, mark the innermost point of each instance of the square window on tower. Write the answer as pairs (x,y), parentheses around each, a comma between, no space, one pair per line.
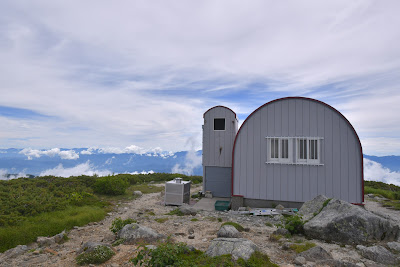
(219,124)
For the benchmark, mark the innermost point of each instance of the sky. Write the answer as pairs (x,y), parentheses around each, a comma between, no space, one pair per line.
(117,74)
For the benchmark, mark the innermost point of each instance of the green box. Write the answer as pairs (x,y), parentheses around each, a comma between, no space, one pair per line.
(222,205)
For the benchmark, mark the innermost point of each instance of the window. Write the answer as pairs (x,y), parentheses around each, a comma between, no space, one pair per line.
(294,150)
(219,124)
(279,149)
(308,150)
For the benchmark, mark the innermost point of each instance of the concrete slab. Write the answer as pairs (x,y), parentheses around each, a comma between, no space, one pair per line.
(208,204)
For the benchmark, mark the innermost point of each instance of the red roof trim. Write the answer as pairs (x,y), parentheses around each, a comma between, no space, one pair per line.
(219,107)
(306,98)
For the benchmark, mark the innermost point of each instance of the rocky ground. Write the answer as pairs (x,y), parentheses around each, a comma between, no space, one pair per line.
(204,227)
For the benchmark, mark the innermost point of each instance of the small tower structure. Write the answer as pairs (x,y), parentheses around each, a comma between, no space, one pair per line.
(219,132)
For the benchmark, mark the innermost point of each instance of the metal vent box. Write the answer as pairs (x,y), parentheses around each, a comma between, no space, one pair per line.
(177,192)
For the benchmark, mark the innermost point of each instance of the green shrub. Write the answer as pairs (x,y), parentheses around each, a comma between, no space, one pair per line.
(110,185)
(99,255)
(293,224)
(118,224)
(236,225)
(269,224)
(257,259)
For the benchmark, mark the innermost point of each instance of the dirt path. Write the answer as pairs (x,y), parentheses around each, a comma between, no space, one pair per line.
(205,224)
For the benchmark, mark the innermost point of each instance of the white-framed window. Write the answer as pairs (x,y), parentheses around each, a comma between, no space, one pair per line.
(294,150)
(279,149)
(308,150)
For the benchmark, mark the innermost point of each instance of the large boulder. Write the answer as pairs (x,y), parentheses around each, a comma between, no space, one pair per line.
(312,207)
(315,254)
(237,247)
(343,222)
(378,254)
(228,231)
(133,233)
(395,246)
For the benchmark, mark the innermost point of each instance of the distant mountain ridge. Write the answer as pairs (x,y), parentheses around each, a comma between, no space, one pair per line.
(36,162)
(103,161)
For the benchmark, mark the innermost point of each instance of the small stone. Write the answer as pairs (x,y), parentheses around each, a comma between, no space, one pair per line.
(191,231)
(204,240)
(191,236)
(300,260)
(51,251)
(176,224)
(279,207)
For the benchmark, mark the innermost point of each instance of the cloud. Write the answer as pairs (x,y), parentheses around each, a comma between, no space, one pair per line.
(35,153)
(132,149)
(81,169)
(192,160)
(4,175)
(131,72)
(374,171)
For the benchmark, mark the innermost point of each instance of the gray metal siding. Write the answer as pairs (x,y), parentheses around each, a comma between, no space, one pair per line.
(339,176)
(218,181)
(214,140)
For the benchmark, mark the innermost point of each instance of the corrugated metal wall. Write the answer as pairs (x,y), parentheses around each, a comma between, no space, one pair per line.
(217,145)
(339,177)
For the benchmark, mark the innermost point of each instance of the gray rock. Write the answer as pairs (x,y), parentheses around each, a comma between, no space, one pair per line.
(137,193)
(228,231)
(133,233)
(312,207)
(14,252)
(281,231)
(44,241)
(300,260)
(279,207)
(90,246)
(343,222)
(394,246)
(237,247)
(37,260)
(187,210)
(378,254)
(316,254)
(336,263)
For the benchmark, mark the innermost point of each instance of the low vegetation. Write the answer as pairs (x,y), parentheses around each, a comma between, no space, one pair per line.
(118,224)
(44,206)
(389,191)
(171,254)
(293,223)
(236,225)
(99,255)
(176,212)
(298,248)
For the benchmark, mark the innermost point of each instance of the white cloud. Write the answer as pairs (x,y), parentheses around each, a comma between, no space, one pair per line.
(80,169)
(192,160)
(134,72)
(374,171)
(4,175)
(132,149)
(35,153)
